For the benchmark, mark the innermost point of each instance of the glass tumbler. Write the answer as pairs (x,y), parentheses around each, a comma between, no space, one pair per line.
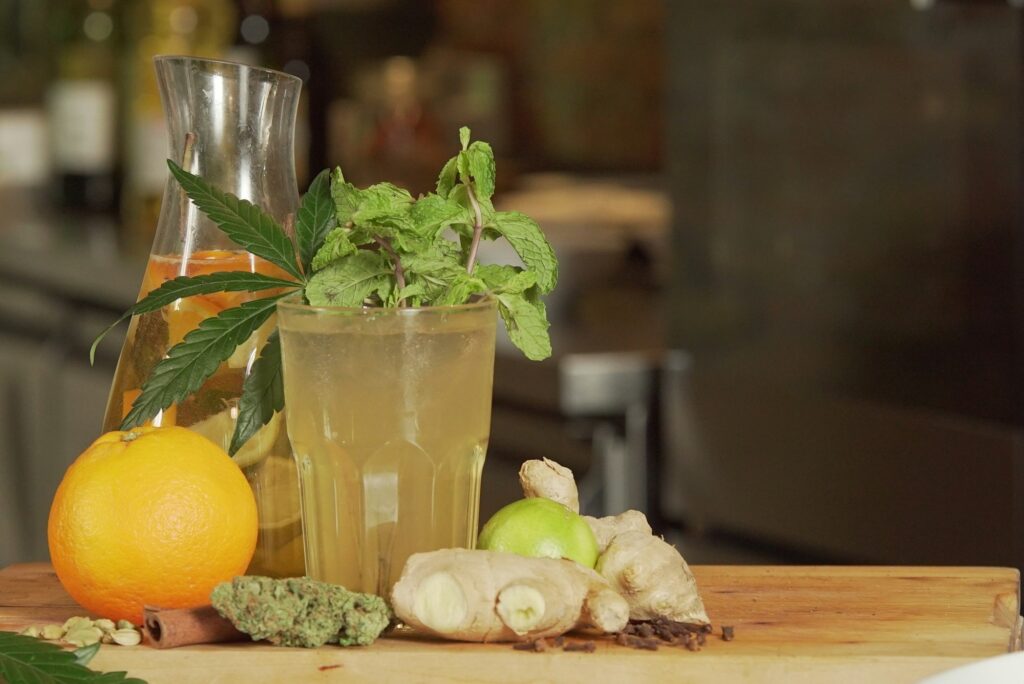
(389,413)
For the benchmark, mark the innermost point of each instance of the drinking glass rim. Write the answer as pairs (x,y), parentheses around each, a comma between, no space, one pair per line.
(292,302)
(227,62)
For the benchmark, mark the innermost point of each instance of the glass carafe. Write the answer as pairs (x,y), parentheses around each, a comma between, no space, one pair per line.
(233,125)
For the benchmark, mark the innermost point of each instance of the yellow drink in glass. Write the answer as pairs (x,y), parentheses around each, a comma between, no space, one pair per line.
(388,413)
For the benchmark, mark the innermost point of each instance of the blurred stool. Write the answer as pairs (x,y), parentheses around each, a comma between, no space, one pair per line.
(613,396)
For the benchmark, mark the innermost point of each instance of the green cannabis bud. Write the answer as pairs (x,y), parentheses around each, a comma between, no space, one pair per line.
(300,611)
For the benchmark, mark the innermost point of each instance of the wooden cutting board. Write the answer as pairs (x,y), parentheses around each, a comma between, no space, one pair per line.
(792,625)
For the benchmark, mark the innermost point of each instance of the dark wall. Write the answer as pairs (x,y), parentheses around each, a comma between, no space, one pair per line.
(846,185)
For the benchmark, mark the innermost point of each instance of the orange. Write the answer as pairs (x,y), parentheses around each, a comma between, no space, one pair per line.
(185,315)
(153,516)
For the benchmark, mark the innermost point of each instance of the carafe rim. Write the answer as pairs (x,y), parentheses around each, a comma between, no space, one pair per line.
(159,59)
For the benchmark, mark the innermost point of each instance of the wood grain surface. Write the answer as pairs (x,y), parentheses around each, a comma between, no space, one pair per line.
(792,624)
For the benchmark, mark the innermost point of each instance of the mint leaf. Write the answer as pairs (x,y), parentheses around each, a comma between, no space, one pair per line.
(438,266)
(384,211)
(475,165)
(345,196)
(506,278)
(527,325)
(480,164)
(432,214)
(335,246)
(383,196)
(349,281)
(387,292)
(381,210)
(462,163)
(460,194)
(242,221)
(27,660)
(187,286)
(315,219)
(413,293)
(448,177)
(189,363)
(460,290)
(262,394)
(529,242)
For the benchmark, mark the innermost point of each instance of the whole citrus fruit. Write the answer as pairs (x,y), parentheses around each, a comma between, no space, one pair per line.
(542,528)
(153,516)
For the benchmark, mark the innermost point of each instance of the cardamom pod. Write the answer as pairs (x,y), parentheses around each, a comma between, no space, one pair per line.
(105,625)
(75,622)
(83,636)
(52,632)
(126,637)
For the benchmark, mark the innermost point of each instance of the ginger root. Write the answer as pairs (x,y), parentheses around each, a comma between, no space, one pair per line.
(549,480)
(653,577)
(645,569)
(493,596)
(607,528)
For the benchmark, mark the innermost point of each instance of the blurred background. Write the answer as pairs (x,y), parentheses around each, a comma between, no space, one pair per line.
(789,324)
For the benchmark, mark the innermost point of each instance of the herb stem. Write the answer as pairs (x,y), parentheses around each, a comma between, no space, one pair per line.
(399,271)
(478,228)
(188,236)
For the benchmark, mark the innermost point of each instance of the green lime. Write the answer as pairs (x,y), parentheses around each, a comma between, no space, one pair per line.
(541,528)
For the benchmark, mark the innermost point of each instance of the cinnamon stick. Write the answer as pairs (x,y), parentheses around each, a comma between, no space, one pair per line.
(169,628)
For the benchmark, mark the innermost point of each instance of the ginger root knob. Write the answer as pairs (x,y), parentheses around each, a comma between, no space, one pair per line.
(494,596)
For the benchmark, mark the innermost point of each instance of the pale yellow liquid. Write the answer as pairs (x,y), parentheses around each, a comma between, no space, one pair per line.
(266,459)
(389,429)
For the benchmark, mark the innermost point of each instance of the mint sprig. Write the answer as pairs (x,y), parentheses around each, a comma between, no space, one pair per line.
(430,246)
(374,246)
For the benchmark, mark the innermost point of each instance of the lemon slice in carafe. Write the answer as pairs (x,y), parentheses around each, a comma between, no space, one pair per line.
(276,485)
(219,428)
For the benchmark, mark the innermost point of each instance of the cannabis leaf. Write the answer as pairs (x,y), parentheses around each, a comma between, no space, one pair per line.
(262,394)
(242,221)
(84,654)
(26,660)
(315,218)
(189,363)
(375,246)
(187,286)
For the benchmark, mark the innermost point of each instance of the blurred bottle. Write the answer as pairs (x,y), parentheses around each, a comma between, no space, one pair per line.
(82,105)
(200,28)
(388,131)
(24,46)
